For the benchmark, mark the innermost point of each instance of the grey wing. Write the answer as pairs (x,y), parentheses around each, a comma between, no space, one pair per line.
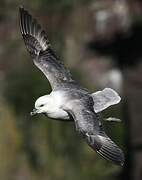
(89,126)
(40,49)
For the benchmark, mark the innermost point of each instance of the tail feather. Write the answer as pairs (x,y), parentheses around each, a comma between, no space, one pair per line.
(35,38)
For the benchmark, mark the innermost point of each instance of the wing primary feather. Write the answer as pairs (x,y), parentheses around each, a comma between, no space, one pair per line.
(106,148)
(35,38)
(21,21)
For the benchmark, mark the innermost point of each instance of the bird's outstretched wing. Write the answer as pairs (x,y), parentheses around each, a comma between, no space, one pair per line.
(88,124)
(40,49)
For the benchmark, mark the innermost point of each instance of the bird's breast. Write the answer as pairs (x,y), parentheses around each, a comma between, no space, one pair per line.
(59,114)
(58,100)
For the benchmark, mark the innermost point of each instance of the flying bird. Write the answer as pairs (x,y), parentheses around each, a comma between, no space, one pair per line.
(68,100)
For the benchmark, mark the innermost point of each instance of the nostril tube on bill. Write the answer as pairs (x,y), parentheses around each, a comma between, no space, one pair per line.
(33,112)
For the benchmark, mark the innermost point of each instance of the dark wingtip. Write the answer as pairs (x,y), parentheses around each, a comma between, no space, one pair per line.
(21,11)
(21,8)
(34,37)
(112,152)
(106,148)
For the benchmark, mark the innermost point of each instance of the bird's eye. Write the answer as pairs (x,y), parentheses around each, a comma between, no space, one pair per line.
(41,105)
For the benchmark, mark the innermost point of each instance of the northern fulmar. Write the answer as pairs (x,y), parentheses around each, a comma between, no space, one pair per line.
(68,100)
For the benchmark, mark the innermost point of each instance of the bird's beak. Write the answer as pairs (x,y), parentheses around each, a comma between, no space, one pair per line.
(33,112)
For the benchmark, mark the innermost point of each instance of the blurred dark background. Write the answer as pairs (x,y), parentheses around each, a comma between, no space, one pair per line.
(100,41)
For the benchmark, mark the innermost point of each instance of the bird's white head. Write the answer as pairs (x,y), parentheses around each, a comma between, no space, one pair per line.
(42,105)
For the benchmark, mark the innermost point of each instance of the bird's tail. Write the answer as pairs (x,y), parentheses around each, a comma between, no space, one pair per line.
(33,35)
(104,146)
